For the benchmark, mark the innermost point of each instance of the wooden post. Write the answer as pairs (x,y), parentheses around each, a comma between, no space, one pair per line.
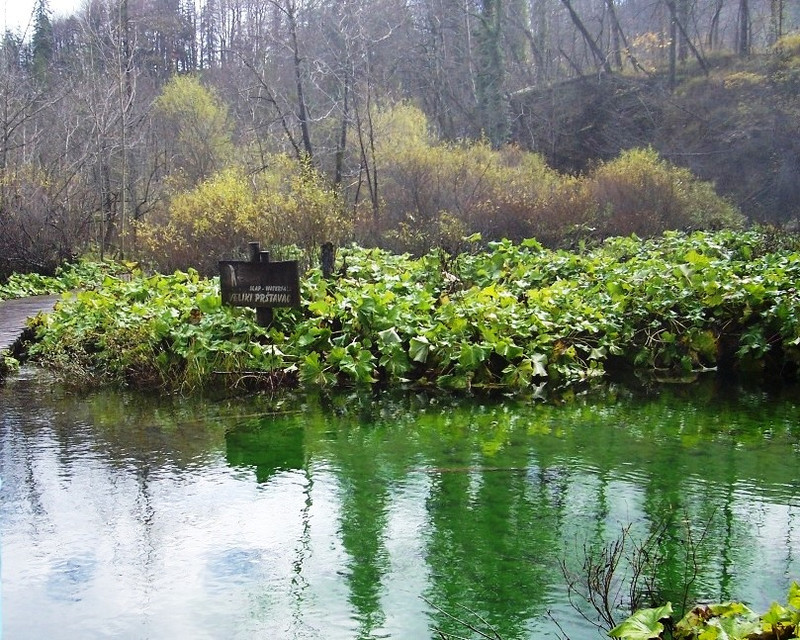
(327,259)
(263,315)
(253,251)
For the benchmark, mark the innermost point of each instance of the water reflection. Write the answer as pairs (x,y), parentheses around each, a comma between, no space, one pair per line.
(259,443)
(364,517)
(70,576)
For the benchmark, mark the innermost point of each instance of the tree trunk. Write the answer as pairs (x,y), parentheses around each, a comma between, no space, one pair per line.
(776,17)
(616,35)
(676,28)
(601,58)
(673,45)
(302,107)
(743,39)
(713,32)
(342,142)
(491,74)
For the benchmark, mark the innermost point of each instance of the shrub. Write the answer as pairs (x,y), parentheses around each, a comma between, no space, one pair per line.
(788,46)
(422,182)
(433,194)
(201,225)
(640,193)
(288,204)
(299,206)
(532,200)
(41,224)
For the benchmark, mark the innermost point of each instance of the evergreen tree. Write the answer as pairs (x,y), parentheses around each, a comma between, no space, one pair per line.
(42,43)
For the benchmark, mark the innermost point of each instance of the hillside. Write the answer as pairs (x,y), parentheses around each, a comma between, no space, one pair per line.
(736,125)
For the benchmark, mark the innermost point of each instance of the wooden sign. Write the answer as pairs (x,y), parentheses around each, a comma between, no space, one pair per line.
(259,284)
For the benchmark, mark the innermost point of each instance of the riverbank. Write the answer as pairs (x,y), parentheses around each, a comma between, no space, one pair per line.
(514,318)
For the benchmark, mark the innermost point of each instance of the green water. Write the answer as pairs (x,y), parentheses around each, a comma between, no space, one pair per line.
(380,516)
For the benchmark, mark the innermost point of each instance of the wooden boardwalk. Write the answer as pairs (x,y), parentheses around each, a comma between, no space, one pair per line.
(14,315)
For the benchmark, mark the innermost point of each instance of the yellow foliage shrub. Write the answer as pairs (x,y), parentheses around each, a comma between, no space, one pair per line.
(641,193)
(434,194)
(744,80)
(289,204)
(788,45)
(420,182)
(200,225)
(301,206)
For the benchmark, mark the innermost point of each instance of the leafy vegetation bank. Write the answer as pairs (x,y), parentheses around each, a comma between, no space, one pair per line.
(514,317)
(729,621)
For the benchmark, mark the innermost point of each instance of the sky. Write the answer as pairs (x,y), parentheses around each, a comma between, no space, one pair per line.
(15,14)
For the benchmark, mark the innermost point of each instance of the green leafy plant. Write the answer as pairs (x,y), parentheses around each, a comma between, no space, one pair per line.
(644,624)
(68,277)
(8,364)
(724,621)
(512,317)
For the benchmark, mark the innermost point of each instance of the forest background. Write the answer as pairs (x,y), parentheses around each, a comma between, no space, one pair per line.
(174,132)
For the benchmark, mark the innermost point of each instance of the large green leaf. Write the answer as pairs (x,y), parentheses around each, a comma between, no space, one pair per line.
(210,303)
(539,364)
(794,595)
(471,356)
(736,628)
(389,336)
(418,349)
(730,609)
(643,625)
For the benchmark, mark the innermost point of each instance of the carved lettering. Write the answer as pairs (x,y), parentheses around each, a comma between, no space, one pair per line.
(249,284)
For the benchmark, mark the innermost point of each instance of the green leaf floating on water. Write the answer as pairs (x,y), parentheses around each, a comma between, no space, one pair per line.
(643,625)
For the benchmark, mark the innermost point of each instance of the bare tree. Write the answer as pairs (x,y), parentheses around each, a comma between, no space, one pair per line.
(600,57)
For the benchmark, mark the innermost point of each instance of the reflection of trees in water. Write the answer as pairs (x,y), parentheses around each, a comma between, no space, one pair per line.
(56,446)
(500,503)
(303,550)
(687,459)
(665,509)
(169,433)
(266,445)
(504,479)
(34,441)
(27,440)
(490,547)
(370,456)
(147,542)
(726,549)
(365,499)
